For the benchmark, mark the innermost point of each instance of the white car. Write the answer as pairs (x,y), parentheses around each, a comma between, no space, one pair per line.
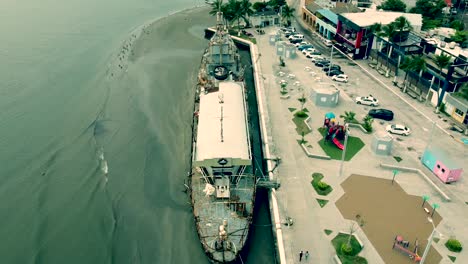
(296,36)
(367,100)
(308,50)
(315,58)
(311,54)
(328,43)
(398,129)
(301,43)
(340,78)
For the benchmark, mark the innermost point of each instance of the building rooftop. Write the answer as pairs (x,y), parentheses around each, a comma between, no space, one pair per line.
(328,14)
(222,129)
(368,18)
(346,8)
(313,7)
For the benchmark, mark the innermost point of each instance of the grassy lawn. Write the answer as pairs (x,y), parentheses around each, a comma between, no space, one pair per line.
(328,231)
(291,109)
(352,258)
(301,125)
(316,179)
(397,158)
(452,258)
(322,203)
(353,146)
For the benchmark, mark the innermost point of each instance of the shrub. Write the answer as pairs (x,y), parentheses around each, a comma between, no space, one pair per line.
(301,114)
(367,123)
(346,250)
(322,185)
(454,245)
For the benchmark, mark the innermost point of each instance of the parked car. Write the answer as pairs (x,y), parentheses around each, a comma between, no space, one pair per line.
(333,72)
(316,58)
(328,43)
(367,100)
(299,36)
(311,54)
(295,40)
(288,29)
(287,34)
(322,63)
(301,44)
(304,51)
(398,129)
(332,67)
(340,78)
(381,114)
(302,47)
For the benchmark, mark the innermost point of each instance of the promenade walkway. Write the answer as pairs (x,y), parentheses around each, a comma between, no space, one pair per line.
(296,198)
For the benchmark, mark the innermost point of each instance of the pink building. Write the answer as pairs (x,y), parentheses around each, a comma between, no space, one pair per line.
(441,165)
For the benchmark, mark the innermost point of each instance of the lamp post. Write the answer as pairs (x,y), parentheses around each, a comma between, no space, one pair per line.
(429,242)
(395,172)
(331,61)
(344,150)
(430,136)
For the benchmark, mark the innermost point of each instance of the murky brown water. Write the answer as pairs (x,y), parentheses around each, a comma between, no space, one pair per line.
(387,210)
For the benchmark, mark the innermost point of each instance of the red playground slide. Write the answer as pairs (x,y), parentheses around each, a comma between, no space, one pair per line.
(338,143)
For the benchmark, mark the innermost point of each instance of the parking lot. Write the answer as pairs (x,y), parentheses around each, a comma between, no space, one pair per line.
(423,132)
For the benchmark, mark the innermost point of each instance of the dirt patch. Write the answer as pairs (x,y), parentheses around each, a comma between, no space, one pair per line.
(387,211)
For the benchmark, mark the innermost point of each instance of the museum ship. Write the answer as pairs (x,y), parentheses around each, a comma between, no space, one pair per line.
(221,184)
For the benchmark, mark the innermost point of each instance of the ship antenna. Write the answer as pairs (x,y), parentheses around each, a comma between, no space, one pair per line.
(221,101)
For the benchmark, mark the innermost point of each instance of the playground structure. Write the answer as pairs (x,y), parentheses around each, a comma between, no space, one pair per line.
(335,131)
(403,246)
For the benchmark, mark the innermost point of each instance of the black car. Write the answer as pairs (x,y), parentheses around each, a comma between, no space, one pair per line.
(296,40)
(381,114)
(332,67)
(333,72)
(322,63)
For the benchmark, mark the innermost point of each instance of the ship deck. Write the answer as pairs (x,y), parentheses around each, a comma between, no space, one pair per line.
(210,212)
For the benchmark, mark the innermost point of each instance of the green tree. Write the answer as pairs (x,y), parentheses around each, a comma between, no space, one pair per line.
(349,116)
(463,92)
(287,13)
(393,5)
(374,29)
(457,24)
(246,11)
(460,36)
(276,4)
(419,65)
(442,61)
(259,6)
(402,24)
(431,10)
(407,66)
(390,32)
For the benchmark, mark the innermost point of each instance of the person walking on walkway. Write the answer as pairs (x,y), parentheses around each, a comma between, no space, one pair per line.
(306,256)
(300,255)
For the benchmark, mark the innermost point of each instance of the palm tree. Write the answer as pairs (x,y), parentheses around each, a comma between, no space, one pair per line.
(419,65)
(407,66)
(373,30)
(402,24)
(348,117)
(442,61)
(216,6)
(287,13)
(247,11)
(390,32)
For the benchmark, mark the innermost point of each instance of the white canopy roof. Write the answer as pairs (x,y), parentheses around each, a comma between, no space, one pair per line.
(227,138)
(368,18)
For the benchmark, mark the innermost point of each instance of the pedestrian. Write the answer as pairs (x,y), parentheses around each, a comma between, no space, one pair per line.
(300,255)
(306,256)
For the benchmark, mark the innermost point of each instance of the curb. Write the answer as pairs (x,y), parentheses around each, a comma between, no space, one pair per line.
(408,169)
